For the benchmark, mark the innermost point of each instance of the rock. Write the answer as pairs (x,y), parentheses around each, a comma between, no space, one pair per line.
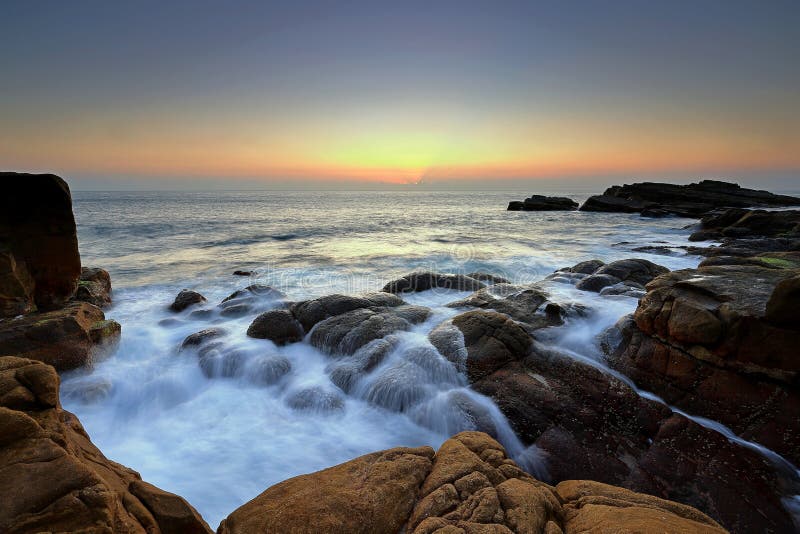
(348,371)
(471,487)
(38,229)
(242,273)
(347,332)
(94,287)
(16,286)
(521,303)
(704,340)
(423,281)
(374,493)
(316,399)
(268,369)
(740,223)
(543,203)
(488,277)
(490,340)
(62,482)
(311,312)
(279,326)
(692,200)
(242,301)
(590,425)
(186,298)
(202,337)
(67,338)
(628,274)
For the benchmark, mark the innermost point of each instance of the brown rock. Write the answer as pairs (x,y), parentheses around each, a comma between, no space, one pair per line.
(371,494)
(94,287)
(279,326)
(38,228)
(186,298)
(61,481)
(66,338)
(16,286)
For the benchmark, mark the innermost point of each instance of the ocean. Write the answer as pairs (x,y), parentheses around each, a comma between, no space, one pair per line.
(221,441)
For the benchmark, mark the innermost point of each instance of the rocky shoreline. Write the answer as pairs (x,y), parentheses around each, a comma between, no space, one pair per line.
(718,342)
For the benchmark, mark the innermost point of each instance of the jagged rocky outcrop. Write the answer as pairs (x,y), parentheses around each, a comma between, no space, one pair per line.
(721,341)
(38,243)
(468,486)
(692,200)
(622,277)
(56,480)
(543,203)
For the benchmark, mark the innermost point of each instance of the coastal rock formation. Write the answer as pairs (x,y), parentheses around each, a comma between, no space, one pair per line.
(692,200)
(66,338)
(279,326)
(423,281)
(543,203)
(589,424)
(521,303)
(186,298)
(311,312)
(480,342)
(253,297)
(348,332)
(469,486)
(94,287)
(37,230)
(58,481)
(621,277)
(721,341)
(740,223)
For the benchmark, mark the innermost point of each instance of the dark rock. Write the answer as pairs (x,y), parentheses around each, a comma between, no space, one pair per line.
(423,281)
(347,332)
(348,371)
(521,303)
(584,267)
(488,277)
(242,273)
(279,326)
(783,306)
(596,282)
(67,338)
(543,203)
(693,200)
(201,337)
(94,287)
(310,312)
(38,229)
(741,223)
(16,286)
(490,340)
(252,292)
(629,275)
(186,298)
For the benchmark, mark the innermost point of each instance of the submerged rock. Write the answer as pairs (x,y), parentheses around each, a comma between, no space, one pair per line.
(469,486)
(66,338)
(39,241)
(279,326)
(543,203)
(186,298)
(423,281)
(62,482)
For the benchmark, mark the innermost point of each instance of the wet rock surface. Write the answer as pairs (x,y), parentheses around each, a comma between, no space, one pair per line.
(468,486)
(311,312)
(186,298)
(69,486)
(423,281)
(622,277)
(279,326)
(94,287)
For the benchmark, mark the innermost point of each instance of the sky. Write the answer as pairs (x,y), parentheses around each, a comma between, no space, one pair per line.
(500,94)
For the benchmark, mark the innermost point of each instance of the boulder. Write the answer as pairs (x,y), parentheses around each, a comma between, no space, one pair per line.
(279,326)
(471,486)
(61,481)
(543,203)
(310,312)
(692,200)
(66,338)
(348,332)
(94,287)
(626,277)
(588,424)
(721,341)
(16,286)
(186,298)
(372,494)
(488,277)
(739,223)
(242,273)
(244,299)
(37,227)
(480,342)
(518,302)
(425,280)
